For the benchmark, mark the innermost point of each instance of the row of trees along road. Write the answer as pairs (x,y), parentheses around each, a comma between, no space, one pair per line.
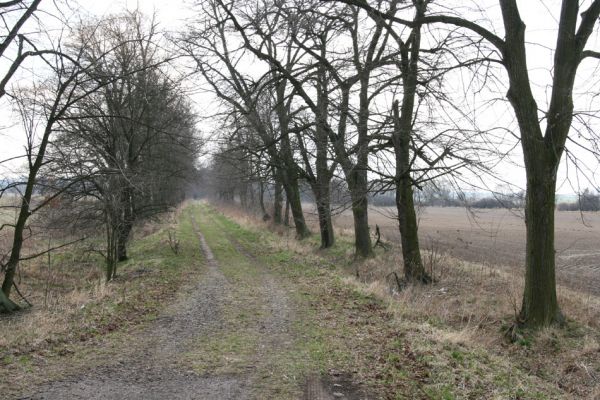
(312,88)
(311,91)
(103,120)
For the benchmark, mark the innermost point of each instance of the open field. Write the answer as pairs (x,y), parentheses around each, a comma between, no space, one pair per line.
(497,238)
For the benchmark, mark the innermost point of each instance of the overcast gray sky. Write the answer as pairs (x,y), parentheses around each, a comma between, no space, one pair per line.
(539,16)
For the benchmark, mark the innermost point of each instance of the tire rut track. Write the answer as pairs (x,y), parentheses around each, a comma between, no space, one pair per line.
(278,335)
(275,327)
(152,372)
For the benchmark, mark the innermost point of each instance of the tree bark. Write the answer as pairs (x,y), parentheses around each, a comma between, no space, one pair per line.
(540,304)
(322,180)
(289,167)
(414,270)
(122,239)
(7,305)
(360,214)
(15,252)
(407,217)
(286,217)
(25,209)
(323,202)
(111,244)
(277,200)
(542,152)
(293,195)
(261,201)
(126,225)
(357,176)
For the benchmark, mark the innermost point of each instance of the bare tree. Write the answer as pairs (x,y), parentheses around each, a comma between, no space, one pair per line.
(128,131)
(217,60)
(542,139)
(44,106)
(368,53)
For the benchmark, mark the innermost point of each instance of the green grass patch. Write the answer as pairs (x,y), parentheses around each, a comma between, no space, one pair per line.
(83,309)
(400,352)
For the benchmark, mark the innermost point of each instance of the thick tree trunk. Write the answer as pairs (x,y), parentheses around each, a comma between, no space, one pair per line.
(286,217)
(289,173)
(360,213)
(7,305)
(407,217)
(540,304)
(362,240)
(261,201)
(321,184)
(293,195)
(324,213)
(277,200)
(325,226)
(542,152)
(126,225)
(356,177)
(123,239)
(407,223)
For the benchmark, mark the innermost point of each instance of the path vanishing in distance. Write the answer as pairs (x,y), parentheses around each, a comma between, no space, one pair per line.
(154,370)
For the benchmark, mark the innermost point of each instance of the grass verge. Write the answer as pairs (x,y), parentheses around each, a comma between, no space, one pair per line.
(78,321)
(443,341)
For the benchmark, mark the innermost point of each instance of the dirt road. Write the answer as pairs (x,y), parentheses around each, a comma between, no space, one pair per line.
(154,371)
(167,360)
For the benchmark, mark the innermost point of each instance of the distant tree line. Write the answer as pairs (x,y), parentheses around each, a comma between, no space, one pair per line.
(586,201)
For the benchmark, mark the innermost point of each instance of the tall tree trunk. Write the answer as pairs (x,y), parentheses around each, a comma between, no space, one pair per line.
(414,270)
(286,217)
(360,212)
(323,203)
(25,209)
(126,225)
(407,217)
(357,178)
(288,164)
(540,304)
(122,239)
(277,200)
(325,226)
(261,201)
(322,180)
(111,242)
(293,194)
(542,152)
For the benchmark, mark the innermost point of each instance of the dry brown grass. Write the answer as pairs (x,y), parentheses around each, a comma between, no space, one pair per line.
(73,305)
(457,325)
(471,306)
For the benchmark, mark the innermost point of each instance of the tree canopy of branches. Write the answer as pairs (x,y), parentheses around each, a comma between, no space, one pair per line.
(40,107)
(102,121)
(120,141)
(543,135)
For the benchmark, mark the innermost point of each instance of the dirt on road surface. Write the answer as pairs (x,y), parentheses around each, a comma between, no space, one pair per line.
(160,361)
(154,370)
